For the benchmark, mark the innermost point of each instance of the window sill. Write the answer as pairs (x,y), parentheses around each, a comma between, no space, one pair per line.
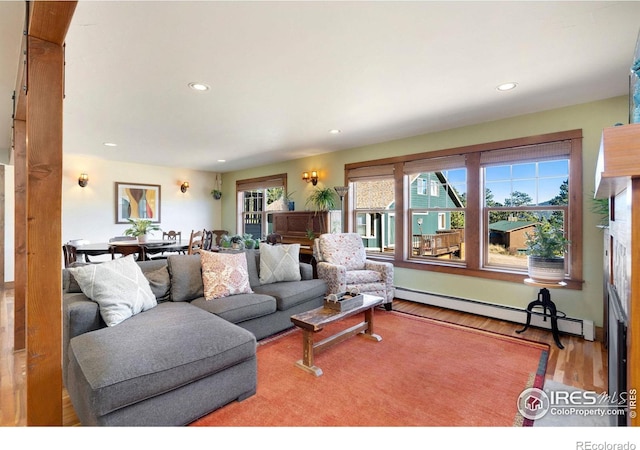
(492,274)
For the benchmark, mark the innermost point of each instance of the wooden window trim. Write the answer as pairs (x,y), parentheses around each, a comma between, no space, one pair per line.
(473,216)
(250,184)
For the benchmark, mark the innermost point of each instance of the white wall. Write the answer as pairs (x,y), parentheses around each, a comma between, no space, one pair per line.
(89,212)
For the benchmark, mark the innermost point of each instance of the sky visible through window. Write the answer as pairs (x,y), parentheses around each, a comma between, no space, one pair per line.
(541,181)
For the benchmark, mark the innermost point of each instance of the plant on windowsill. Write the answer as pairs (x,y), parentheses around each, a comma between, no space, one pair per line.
(545,249)
(287,199)
(140,228)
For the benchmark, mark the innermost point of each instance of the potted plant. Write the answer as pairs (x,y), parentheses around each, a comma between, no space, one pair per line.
(600,207)
(237,242)
(322,199)
(225,241)
(287,198)
(140,228)
(216,193)
(545,249)
(249,242)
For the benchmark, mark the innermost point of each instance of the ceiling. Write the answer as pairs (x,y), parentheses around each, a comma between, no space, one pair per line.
(282,74)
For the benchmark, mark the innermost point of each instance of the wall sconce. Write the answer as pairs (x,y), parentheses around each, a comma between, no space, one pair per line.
(184,186)
(83,179)
(313,178)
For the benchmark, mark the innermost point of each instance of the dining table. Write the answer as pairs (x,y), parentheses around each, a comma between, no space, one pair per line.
(150,247)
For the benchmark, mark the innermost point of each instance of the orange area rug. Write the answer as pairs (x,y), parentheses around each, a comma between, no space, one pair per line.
(423,373)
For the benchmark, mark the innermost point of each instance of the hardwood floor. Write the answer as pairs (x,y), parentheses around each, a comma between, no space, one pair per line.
(582,364)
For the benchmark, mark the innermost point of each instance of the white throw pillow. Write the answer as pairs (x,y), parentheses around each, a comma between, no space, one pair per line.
(279,263)
(119,287)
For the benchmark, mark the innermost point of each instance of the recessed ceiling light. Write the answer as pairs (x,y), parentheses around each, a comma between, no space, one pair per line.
(109,144)
(222,160)
(507,86)
(335,131)
(199,86)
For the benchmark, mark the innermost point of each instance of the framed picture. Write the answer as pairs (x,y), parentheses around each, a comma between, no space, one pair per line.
(137,201)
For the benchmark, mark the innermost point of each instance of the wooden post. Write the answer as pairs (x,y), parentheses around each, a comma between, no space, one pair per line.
(44,232)
(20,235)
(48,23)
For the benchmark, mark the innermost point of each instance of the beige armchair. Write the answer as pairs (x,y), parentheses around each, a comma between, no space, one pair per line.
(342,262)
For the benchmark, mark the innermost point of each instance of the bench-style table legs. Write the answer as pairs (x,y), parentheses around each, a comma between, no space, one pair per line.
(311,348)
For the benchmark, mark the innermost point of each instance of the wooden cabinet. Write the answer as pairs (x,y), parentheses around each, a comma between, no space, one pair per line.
(618,179)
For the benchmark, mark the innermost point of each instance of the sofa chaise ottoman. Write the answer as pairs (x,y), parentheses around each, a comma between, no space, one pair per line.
(181,358)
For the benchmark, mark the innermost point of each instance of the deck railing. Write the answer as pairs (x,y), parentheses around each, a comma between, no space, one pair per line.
(437,244)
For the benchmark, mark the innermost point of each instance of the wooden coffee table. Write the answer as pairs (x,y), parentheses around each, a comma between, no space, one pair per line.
(311,322)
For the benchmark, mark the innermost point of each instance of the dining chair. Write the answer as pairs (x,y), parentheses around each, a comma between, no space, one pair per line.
(195,242)
(172,235)
(126,249)
(208,240)
(70,255)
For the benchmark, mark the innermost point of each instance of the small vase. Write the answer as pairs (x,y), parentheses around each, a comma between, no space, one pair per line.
(142,238)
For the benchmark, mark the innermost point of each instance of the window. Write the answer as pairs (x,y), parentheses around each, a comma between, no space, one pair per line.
(255,199)
(437,220)
(435,188)
(421,186)
(466,210)
(373,212)
(522,187)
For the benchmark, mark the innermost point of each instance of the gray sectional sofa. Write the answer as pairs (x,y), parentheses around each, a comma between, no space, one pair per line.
(185,357)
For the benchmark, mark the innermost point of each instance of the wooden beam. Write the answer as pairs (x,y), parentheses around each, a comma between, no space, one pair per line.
(48,25)
(20,232)
(50,21)
(44,233)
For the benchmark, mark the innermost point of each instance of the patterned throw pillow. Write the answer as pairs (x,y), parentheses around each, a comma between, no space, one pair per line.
(119,288)
(224,274)
(279,263)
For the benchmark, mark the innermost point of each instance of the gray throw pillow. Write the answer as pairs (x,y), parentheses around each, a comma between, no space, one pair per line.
(118,287)
(186,277)
(253,261)
(279,263)
(72,285)
(160,283)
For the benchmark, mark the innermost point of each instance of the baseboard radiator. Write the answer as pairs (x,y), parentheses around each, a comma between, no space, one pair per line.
(577,327)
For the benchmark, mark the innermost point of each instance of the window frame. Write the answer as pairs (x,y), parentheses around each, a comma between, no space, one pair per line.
(474,234)
(252,184)
(372,232)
